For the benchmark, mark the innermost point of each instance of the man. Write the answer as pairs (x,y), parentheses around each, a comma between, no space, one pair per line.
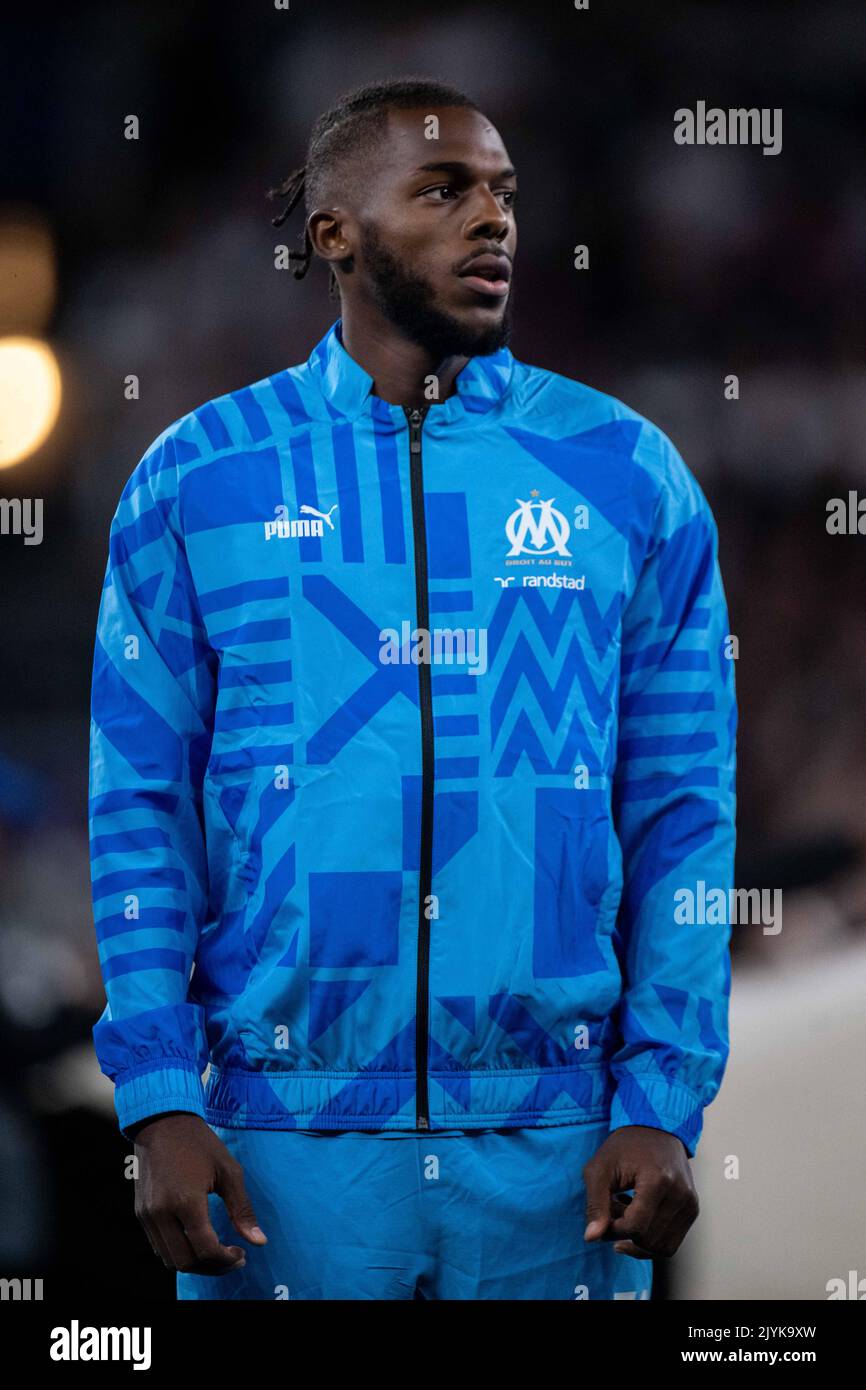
(407,893)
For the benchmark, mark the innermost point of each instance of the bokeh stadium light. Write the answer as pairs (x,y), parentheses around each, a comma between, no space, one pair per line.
(30,379)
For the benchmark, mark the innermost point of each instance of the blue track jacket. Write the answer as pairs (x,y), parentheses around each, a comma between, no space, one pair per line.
(410,732)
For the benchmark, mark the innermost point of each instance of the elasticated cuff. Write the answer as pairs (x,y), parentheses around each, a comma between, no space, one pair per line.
(660,1104)
(154,1089)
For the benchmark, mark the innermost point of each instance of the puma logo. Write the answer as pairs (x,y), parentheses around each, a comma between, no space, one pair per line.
(298,527)
(325,516)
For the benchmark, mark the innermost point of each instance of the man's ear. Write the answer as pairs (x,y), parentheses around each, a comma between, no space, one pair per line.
(330,234)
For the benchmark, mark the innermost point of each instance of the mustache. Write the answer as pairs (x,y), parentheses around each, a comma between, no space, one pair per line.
(482,251)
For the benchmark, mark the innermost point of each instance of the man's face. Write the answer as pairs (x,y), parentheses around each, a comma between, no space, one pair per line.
(437,232)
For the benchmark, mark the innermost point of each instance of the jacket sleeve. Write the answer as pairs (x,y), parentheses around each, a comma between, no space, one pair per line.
(674,805)
(153,697)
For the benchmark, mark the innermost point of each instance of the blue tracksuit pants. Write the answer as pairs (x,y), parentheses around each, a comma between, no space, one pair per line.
(491,1214)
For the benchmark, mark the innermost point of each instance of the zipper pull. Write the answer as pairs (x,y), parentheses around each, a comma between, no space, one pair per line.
(416,420)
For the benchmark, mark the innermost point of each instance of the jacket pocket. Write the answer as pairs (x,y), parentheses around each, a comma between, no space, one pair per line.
(575,882)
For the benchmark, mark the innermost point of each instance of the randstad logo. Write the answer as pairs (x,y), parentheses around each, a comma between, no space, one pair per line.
(546,528)
(312,522)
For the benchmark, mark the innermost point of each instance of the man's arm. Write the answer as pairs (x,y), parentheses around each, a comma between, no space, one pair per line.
(153,699)
(674,803)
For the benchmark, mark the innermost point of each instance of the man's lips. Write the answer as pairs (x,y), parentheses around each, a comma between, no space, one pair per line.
(497,288)
(488,274)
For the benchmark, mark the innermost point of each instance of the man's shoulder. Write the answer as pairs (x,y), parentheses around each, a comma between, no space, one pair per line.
(238,419)
(562,408)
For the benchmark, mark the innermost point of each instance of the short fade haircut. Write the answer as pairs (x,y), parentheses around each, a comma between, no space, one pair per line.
(349,129)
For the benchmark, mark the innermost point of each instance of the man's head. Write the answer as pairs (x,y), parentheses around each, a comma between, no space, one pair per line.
(409,194)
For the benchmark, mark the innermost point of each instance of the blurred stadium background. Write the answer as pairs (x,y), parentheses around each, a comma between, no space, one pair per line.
(154,257)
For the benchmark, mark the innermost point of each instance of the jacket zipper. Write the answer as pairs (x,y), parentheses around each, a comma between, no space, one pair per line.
(415,418)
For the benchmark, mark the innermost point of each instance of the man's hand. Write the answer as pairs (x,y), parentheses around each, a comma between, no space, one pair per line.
(655,1221)
(181,1160)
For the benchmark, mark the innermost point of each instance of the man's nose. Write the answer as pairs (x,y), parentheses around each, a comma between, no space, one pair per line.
(488,217)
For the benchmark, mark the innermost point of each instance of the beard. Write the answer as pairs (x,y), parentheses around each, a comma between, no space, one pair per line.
(408,301)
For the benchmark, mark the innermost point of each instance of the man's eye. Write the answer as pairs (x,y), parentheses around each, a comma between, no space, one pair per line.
(445,192)
(446,189)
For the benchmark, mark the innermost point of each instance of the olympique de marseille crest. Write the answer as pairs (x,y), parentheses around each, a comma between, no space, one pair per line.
(546,529)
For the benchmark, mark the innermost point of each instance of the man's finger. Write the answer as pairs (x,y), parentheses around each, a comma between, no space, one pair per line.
(660,1230)
(182,1256)
(211,1256)
(230,1186)
(174,1239)
(598,1182)
(641,1218)
(154,1240)
(669,1230)
(684,1218)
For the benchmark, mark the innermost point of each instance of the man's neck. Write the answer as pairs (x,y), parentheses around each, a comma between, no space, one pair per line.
(401,370)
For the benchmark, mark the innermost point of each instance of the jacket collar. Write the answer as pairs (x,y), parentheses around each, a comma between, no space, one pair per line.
(347,389)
